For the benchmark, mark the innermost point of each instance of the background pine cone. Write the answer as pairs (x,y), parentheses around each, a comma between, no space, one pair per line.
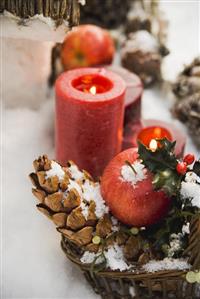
(188,82)
(188,112)
(105,13)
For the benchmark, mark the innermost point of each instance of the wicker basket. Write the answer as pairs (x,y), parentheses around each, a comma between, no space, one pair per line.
(116,285)
(138,284)
(58,10)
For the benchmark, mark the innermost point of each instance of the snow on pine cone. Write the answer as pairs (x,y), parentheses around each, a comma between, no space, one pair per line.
(72,200)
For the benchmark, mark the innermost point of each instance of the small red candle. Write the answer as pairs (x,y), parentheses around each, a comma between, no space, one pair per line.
(148,136)
(89,117)
(151,129)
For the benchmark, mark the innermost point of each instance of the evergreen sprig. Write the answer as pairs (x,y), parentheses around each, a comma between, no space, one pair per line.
(162,163)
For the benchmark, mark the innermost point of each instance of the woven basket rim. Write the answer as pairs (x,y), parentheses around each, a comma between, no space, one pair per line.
(140,274)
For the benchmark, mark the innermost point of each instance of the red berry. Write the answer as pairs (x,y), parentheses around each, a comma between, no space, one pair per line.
(181,167)
(189,159)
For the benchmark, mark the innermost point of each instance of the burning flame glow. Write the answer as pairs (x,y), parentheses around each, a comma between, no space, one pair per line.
(93,90)
(153,145)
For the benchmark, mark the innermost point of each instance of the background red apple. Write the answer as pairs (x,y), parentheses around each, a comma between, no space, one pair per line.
(134,205)
(87,45)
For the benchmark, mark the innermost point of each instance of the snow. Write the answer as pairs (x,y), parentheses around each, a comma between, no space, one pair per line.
(132,291)
(166,264)
(141,40)
(88,257)
(186,229)
(89,191)
(32,259)
(115,226)
(82,2)
(92,192)
(38,28)
(128,174)
(114,258)
(175,244)
(56,170)
(75,172)
(192,177)
(191,190)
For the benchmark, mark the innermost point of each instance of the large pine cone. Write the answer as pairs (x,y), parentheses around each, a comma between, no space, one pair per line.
(105,13)
(72,200)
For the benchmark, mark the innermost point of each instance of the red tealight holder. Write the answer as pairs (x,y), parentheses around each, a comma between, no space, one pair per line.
(89,117)
(149,135)
(150,130)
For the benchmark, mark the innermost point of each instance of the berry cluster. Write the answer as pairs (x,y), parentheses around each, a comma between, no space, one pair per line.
(181,166)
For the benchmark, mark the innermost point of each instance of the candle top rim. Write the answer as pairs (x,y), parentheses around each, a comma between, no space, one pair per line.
(154,127)
(65,83)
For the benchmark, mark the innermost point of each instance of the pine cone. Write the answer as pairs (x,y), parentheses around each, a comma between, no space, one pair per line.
(138,19)
(60,192)
(188,111)
(141,54)
(62,198)
(188,82)
(105,13)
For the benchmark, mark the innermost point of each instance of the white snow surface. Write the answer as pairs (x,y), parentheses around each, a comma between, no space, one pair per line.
(75,172)
(56,170)
(166,264)
(33,264)
(192,191)
(38,27)
(128,174)
(114,258)
(141,40)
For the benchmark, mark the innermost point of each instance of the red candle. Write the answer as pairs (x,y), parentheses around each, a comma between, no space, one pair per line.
(149,130)
(89,117)
(133,96)
(148,136)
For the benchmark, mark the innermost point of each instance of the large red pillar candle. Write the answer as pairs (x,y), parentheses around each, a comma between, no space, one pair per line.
(89,117)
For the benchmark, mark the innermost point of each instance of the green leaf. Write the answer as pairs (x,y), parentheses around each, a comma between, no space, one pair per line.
(161,159)
(162,163)
(196,168)
(167,180)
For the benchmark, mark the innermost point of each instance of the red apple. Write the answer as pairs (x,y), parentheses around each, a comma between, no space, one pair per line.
(135,205)
(87,45)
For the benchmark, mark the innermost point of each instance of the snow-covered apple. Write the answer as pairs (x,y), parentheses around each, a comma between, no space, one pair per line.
(127,188)
(87,45)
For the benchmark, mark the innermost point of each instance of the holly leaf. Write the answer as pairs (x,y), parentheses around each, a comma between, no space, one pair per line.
(167,180)
(162,163)
(161,159)
(196,168)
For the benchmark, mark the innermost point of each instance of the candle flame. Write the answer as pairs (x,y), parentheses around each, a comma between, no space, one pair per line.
(93,90)
(153,145)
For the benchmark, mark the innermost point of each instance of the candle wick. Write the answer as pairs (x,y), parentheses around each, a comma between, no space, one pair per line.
(131,166)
